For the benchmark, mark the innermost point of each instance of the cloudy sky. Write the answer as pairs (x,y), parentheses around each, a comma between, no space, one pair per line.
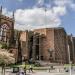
(33,14)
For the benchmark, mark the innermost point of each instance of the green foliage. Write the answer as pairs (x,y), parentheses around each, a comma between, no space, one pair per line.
(33,66)
(4,46)
(0,45)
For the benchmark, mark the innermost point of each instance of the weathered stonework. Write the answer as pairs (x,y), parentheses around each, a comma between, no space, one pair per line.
(7,24)
(47,44)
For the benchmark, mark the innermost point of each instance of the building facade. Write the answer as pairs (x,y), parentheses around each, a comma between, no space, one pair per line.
(7,33)
(6,29)
(71,44)
(74,47)
(47,44)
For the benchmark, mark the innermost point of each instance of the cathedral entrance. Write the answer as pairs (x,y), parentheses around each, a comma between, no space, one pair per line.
(30,47)
(37,48)
(34,47)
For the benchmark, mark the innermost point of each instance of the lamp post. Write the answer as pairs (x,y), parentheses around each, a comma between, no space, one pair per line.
(70,68)
(70,62)
(25,63)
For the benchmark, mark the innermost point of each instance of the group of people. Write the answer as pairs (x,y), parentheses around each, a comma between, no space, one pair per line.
(22,71)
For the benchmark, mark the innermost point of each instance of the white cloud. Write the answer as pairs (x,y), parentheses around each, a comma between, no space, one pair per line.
(40,2)
(72,6)
(62,2)
(36,18)
(7,13)
(60,10)
(65,3)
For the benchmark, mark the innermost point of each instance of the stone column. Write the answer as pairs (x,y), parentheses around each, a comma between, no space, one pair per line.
(40,47)
(34,48)
(72,47)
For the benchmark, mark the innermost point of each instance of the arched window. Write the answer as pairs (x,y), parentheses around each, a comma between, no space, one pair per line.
(3,32)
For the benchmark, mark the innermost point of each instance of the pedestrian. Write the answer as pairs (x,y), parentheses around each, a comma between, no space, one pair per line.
(21,71)
(30,68)
(25,70)
(49,69)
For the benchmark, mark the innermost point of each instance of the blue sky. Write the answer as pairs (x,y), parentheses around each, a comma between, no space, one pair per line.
(63,13)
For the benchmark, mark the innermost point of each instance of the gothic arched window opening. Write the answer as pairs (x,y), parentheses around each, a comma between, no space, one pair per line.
(3,32)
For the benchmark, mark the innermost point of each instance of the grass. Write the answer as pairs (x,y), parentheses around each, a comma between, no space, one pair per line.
(67,65)
(37,68)
(34,67)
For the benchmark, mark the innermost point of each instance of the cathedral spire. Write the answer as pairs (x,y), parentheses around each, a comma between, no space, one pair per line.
(0,9)
(13,15)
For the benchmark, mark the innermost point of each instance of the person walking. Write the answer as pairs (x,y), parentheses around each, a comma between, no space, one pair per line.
(49,68)
(25,70)
(21,71)
(30,69)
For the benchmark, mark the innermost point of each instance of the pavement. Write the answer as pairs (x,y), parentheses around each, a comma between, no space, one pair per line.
(40,72)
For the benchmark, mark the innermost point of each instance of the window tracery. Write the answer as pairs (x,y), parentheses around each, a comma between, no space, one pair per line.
(3,32)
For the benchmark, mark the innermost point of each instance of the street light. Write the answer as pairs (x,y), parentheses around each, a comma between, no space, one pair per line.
(70,67)
(70,62)
(25,63)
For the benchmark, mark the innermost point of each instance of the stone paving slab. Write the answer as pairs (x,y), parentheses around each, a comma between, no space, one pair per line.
(40,73)
(8,72)
(47,73)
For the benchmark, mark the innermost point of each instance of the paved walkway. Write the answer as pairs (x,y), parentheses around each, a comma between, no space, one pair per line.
(42,73)
(46,72)
(49,73)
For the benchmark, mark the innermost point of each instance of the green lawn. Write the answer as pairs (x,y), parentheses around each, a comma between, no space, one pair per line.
(67,65)
(34,67)
(38,68)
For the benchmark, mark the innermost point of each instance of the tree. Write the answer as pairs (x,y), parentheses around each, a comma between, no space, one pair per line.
(5,59)
(4,46)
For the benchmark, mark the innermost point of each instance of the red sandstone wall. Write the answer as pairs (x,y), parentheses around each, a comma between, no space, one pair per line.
(60,42)
(24,44)
(47,41)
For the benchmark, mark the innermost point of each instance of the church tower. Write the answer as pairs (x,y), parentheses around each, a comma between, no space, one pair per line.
(6,29)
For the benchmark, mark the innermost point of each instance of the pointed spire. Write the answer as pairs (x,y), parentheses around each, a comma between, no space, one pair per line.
(13,15)
(71,38)
(71,34)
(1,9)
